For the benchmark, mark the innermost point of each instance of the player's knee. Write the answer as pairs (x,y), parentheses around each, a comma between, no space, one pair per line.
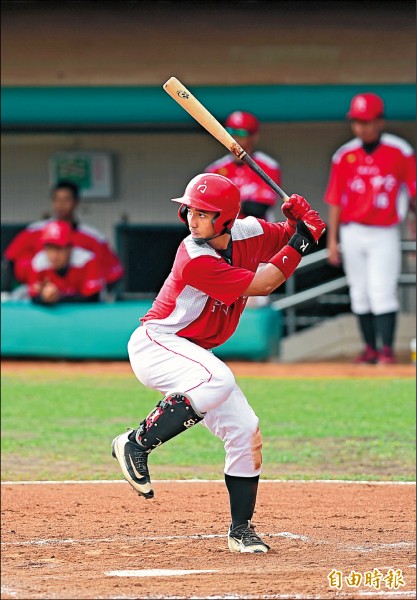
(224,380)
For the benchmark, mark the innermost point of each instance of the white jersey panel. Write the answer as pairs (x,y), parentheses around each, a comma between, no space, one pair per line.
(188,307)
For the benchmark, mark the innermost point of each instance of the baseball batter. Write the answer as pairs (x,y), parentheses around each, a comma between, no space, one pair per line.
(197,309)
(372,182)
(257,198)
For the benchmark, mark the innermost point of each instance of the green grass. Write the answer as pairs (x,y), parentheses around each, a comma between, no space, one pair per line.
(312,429)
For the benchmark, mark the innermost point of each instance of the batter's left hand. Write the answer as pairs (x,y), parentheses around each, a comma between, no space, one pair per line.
(295,207)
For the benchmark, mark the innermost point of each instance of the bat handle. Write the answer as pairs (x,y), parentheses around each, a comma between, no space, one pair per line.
(252,164)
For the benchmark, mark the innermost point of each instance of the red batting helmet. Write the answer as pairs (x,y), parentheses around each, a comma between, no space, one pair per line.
(242,123)
(215,193)
(366,107)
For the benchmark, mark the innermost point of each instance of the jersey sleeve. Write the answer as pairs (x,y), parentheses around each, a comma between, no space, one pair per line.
(23,245)
(410,175)
(334,190)
(92,281)
(276,236)
(217,279)
(112,266)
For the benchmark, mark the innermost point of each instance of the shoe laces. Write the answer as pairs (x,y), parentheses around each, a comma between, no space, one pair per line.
(140,458)
(247,533)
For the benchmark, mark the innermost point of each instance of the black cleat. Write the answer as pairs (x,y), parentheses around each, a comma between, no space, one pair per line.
(244,539)
(133,460)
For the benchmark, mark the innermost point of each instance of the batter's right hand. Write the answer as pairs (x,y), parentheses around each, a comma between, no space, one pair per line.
(312,226)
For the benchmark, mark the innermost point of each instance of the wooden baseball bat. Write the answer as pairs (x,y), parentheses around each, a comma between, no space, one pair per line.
(185,98)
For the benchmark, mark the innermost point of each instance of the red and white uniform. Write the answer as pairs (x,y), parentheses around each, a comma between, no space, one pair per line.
(251,186)
(27,243)
(82,278)
(373,191)
(198,308)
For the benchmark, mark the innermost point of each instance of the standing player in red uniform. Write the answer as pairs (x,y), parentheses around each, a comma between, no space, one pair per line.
(257,198)
(62,272)
(372,183)
(197,309)
(65,199)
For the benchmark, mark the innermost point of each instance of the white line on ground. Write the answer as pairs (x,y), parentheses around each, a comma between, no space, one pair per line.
(339,594)
(157,572)
(48,542)
(110,481)
(282,534)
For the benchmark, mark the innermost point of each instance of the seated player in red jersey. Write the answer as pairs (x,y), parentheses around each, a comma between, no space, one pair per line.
(62,272)
(65,199)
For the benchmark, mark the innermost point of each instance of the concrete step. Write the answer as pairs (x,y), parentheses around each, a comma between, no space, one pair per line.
(339,337)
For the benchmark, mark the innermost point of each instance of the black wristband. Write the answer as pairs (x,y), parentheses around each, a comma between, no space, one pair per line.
(303,230)
(301,244)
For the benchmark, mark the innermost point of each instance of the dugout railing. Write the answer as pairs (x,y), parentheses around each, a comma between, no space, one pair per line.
(304,308)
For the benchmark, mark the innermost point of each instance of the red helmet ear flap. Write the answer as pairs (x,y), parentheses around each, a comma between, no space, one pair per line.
(182,213)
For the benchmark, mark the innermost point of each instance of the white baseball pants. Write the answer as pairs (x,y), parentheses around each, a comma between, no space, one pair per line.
(372,263)
(171,364)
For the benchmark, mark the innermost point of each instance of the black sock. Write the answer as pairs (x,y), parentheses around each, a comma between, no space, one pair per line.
(367,327)
(386,327)
(242,495)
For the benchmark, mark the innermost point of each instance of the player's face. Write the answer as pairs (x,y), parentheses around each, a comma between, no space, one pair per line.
(58,256)
(63,205)
(201,223)
(248,142)
(367,131)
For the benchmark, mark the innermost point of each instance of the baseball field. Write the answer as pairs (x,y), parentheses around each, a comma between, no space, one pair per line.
(336,502)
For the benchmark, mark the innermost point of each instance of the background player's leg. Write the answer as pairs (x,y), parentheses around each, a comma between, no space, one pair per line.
(385,267)
(355,264)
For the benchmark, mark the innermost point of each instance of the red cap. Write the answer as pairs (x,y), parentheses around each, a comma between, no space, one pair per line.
(244,121)
(366,107)
(57,233)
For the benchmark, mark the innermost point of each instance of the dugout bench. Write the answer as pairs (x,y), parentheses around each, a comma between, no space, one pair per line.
(102,331)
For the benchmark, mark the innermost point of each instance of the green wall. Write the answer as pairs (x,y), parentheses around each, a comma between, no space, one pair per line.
(152,107)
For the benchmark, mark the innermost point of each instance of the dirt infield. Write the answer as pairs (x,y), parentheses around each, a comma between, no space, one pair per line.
(99,540)
(240,369)
(67,540)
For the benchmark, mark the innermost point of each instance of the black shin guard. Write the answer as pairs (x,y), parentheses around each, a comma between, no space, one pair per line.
(242,495)
(171,416)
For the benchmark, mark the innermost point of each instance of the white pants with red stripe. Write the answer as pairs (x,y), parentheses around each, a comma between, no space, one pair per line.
(171,364)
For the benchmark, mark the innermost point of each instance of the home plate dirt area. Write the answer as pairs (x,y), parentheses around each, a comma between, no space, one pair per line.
(100,540)
(328,539)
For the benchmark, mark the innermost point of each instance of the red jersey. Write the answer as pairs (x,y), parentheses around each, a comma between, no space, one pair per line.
(82,277)
(251,186)
(373,189)
(202,298)
(27,243)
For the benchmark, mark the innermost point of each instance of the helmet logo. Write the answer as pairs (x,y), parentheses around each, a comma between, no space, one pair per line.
(202,188)
(360,104)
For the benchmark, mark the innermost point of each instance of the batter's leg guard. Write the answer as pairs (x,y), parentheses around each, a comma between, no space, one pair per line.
(172,415)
